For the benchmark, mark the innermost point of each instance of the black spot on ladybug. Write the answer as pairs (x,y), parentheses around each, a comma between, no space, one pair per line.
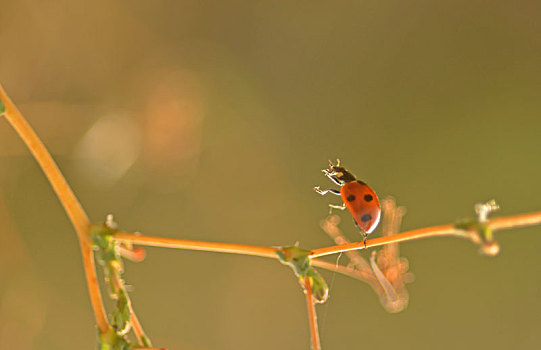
(368,197)
(361,182)
(350,198)
(366,217)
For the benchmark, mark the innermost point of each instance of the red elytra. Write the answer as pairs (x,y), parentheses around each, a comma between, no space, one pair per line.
(363,204)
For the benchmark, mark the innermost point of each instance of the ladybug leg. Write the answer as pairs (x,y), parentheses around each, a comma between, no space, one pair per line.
(362,232)
(324,192)
(331,175)
(339,207)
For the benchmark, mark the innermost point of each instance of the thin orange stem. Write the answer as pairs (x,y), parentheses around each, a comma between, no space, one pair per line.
(312,317)
(433,231)
(72,206)
(70,203)
(445,230)
(154,241)
(136,325)
(270,252)
(266,252)
(515,221)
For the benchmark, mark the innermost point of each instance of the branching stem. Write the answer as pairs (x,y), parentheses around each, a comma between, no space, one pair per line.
(495,224)
(81,224)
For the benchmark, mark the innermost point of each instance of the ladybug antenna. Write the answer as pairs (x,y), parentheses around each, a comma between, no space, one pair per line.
(337,161)
(330,163)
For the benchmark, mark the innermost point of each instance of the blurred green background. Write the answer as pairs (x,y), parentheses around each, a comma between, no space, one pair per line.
(211,120)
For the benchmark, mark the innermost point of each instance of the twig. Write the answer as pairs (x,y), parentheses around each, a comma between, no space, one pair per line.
(515,221)
(266,252)
(445,230)
(154,241)
(502,223)
(270,252)
(136,325)
(434,231)
(71,205)
(312,317)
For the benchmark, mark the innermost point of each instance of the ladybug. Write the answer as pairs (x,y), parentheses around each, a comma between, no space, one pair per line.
(361,200)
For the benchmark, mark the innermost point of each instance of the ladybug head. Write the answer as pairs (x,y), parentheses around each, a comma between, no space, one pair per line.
(338,174)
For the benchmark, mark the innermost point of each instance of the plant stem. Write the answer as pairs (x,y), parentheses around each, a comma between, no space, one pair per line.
(266,252)
(136,325)
(312,317)
(154,241)
(433,231)
(515,221)
(445,230)
(70,203)
(72,206)
(270,252)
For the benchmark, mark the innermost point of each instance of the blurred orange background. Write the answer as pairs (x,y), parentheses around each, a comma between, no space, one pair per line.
(211,121)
